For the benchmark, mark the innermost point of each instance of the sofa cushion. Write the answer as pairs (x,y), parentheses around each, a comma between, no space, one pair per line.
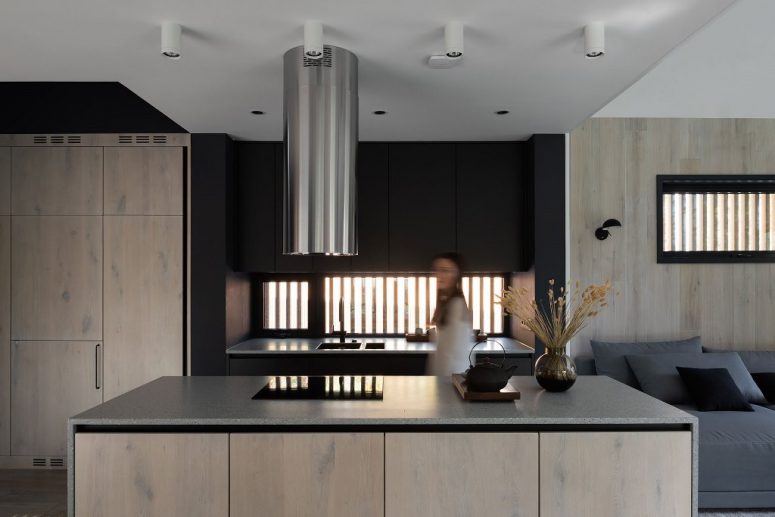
(610,361)
(712,389)
(737,450)
(755,360)
(657,374)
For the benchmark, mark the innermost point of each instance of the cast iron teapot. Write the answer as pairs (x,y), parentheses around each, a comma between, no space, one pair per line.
(487,375)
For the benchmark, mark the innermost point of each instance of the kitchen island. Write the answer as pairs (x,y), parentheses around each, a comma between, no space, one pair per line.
(396,356)
(203,446)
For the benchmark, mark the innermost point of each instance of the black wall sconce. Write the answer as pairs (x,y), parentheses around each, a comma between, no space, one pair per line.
(602,233)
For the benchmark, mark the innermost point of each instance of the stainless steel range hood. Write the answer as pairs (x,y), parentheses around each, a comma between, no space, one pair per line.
(321,142)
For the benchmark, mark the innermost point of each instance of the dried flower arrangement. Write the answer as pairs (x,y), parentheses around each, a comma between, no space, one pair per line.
(564,317)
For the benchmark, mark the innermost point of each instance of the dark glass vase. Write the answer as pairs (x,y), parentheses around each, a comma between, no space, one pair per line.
(555,371)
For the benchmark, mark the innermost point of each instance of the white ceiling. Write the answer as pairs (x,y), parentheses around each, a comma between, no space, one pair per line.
(725,70)
(521,55)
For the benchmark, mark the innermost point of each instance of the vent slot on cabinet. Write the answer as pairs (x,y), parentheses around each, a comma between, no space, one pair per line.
(57,139)
(56,462)
(159,139)
(324,61)
(39,140)
(38,462)
(142,139)
(73,139)
(124,139)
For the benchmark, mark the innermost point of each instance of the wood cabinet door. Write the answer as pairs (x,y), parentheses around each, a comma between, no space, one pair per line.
(5,335)
(143,300)
(56,291)
(491,200)
(57,181)
(50,382)
(5,180)
(616,473)
(293,474)
(164,474)
(144,180)
(422,211)
(442,474)
(255,198)
(372,208)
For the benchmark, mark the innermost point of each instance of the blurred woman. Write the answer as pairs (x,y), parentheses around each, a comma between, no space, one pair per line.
(452,318)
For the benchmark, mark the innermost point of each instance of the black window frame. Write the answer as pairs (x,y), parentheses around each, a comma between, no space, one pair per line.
(710,183)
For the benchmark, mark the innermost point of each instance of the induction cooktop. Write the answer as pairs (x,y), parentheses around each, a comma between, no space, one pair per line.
(323,387)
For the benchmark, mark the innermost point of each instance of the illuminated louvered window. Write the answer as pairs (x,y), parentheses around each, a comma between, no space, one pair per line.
(716,218)
(286,305)
(400,304)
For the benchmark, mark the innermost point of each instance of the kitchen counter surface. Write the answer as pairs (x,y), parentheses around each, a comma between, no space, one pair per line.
(408,401)
(285,346)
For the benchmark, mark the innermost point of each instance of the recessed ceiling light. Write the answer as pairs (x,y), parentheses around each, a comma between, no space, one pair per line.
(170,40)
(502,112)
(380,112)
(594,40)
(257,112)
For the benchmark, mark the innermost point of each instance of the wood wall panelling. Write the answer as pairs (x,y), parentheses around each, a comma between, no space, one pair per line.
(441,474)
(5,180)
(144,180)
(56,181)
(57,278)
(5,335)
(616,473)
(143,300)
(129,474)
(614,163)
(329,474)
(51,381)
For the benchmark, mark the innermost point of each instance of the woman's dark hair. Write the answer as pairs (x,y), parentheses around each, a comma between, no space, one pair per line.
(443,298)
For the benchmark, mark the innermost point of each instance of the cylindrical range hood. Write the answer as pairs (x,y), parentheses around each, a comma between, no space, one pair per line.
(321,142)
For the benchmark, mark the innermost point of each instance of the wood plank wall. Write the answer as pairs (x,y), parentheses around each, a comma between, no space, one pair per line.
(613,168)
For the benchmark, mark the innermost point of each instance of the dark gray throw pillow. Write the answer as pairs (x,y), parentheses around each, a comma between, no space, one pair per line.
(766,383)
(658,376)
(610,361)
(712,389)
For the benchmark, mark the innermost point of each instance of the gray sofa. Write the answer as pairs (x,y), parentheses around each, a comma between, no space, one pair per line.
(736,449)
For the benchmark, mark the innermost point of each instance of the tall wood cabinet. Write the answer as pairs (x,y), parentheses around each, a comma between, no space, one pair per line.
(91,278)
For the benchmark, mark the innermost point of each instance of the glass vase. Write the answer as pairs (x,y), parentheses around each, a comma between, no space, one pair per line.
(555,371)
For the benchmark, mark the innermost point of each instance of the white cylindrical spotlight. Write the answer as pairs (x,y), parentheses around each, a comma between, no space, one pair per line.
(453,39)
(594,40)
(313,39)
(170,40)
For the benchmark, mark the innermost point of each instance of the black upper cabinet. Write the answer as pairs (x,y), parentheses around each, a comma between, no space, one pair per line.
(255,197)
(421,204)
(372,208)
(490,205)
(284,263)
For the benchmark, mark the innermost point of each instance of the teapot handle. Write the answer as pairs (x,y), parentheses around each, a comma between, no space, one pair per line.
(503,361)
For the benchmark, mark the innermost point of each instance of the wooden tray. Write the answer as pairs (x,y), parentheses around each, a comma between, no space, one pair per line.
(507,393)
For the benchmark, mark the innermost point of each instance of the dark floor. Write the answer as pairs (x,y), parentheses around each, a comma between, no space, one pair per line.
(33,493)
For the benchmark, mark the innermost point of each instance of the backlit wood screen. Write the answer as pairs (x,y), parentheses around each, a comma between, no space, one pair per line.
(716,218)
(400,304)
(286,305)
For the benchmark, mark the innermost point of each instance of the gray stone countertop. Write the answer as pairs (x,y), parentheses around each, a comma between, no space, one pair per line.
(393,345)
(226,401)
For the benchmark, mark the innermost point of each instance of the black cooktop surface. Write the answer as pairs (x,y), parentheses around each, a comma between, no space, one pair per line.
(323,387)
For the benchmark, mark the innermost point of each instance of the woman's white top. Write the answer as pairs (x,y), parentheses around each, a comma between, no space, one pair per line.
(453,341)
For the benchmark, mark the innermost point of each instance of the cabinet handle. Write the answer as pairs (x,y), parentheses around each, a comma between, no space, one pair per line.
(97,366)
